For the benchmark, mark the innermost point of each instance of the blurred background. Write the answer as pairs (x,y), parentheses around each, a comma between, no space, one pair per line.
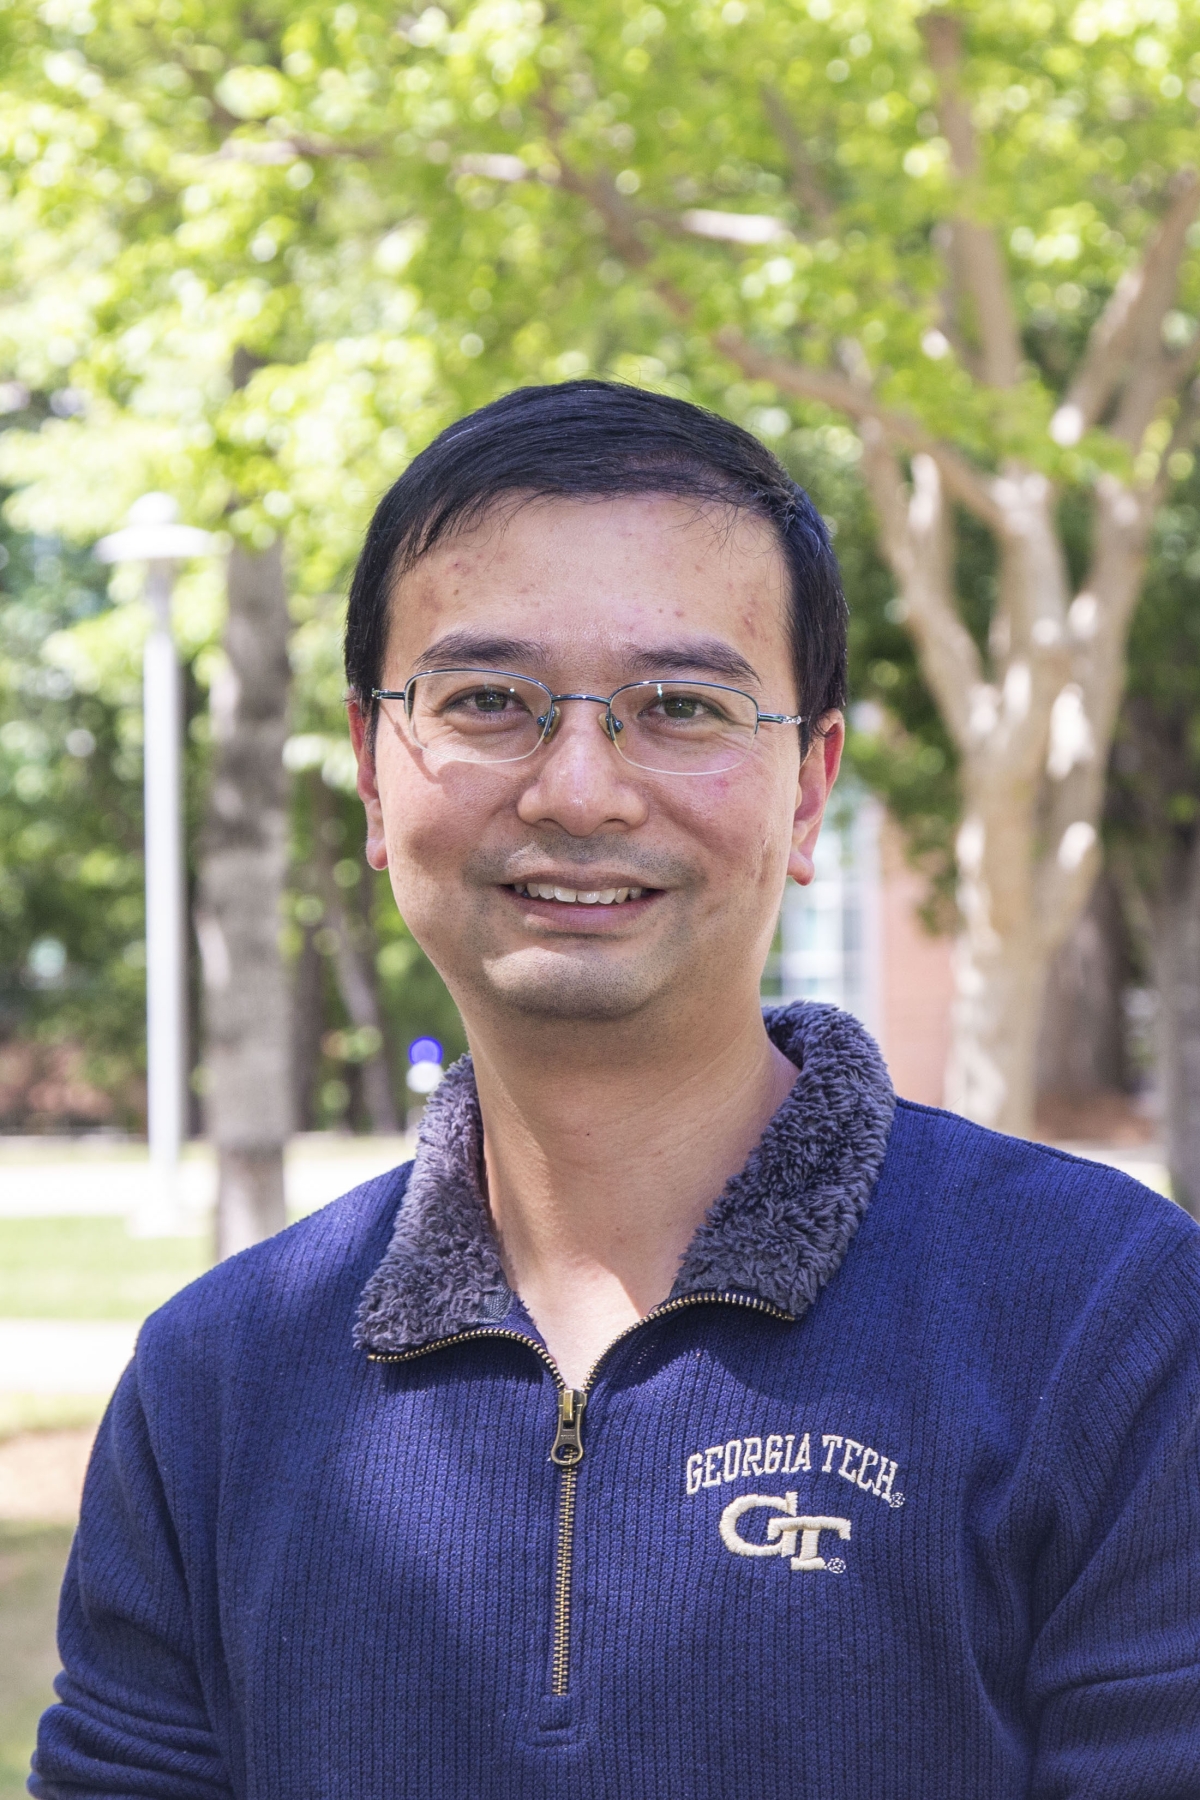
(945,260)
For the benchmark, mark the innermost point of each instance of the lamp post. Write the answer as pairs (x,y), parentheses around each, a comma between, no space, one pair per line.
(153,536)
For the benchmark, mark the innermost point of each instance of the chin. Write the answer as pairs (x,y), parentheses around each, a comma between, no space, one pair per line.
(557,987)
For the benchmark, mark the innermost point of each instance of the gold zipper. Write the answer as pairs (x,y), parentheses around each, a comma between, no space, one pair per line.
(566,1452)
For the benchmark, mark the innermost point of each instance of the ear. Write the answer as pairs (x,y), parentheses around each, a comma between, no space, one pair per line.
(368,788)
(818,772)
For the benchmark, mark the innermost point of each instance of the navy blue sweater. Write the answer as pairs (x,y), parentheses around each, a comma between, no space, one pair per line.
(896,1498)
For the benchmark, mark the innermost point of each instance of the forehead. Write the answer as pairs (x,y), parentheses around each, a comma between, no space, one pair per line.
(598,580)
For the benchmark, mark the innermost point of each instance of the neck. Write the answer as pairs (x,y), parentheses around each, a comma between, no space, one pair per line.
(601,1166)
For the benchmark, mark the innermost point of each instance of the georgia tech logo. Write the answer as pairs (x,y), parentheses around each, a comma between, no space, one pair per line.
(782,1532)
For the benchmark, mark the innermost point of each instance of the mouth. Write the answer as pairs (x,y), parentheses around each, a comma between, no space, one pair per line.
(568,896)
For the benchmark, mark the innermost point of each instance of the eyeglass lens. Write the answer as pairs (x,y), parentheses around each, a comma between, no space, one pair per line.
(665,727)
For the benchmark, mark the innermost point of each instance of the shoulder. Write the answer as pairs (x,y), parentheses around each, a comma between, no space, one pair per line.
(1008,1215)
(300,1284)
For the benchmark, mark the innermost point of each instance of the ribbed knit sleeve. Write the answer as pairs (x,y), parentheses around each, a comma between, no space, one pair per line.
(1114,1679)
(132,1718)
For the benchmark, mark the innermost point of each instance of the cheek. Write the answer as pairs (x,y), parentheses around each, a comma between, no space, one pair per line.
(429,824)
(743,824)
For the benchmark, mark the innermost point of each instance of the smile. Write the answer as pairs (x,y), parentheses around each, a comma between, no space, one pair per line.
(541,890)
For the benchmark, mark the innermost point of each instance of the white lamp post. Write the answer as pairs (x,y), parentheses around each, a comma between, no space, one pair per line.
(153,536)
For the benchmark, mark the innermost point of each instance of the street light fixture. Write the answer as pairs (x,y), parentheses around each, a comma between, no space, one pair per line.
(154,536)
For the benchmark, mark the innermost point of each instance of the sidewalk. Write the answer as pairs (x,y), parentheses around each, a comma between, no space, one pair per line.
(64,1356)
(89,1176)
(81,1177)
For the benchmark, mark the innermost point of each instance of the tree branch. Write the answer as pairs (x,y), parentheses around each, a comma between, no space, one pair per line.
(979,256)
(914,533)
(809,192)
(620,219)
(622,222)
(1132,321)
(1153,379)
(966,484)
(1182,438)
(954,297)
(268,151)
(1063,878)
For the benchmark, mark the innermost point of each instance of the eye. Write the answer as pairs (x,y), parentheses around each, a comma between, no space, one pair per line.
(486,701)
(682,706)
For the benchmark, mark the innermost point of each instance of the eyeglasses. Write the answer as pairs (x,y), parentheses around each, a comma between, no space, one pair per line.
(664,727)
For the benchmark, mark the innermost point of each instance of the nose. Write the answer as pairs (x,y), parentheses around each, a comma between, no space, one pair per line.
(577,780)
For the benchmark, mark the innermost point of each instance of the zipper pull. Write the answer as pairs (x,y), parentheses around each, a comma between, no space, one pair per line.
(567,1448)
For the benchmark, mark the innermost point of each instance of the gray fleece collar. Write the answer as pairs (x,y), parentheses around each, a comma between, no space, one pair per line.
(779,1230)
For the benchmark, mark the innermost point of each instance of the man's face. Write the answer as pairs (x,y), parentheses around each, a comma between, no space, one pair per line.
(585,596)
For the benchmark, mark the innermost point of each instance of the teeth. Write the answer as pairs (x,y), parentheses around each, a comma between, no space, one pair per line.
(540,890)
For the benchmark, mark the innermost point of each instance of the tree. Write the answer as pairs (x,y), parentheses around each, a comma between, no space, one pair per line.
(140,224)
(881,148)
(958,235)
(1085,1064)
(239,908)
(71,953)
(1154,820)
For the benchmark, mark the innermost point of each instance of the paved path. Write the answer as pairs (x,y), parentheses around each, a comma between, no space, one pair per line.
(63,1356)
(41,1478)
(42,1178)
(47,1177)
(72,1178)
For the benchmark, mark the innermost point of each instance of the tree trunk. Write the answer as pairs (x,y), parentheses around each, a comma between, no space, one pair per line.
(354,968)
(990,1074)
(308,981)
(1033,739)
(238,915)
(999,971)
(1176,959)
(1081,1050)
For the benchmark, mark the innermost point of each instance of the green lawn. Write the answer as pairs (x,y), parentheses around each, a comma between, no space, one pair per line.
(83,1268)
(90,1268)
(31,1566)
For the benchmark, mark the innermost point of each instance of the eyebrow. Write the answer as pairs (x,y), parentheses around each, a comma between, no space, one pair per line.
(471,649)
(712,655)
(480,650)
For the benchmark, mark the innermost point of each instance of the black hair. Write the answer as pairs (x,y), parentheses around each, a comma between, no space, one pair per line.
(593,440)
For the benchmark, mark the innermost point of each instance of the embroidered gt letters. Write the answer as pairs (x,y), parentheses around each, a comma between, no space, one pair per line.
(782,1531)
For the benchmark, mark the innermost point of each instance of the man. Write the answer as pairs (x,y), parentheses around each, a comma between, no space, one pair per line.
(690,1418)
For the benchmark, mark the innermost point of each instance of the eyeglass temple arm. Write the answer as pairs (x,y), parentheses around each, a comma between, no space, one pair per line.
(780,718)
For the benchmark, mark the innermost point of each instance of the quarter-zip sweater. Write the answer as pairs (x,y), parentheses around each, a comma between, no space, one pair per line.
(896,1496)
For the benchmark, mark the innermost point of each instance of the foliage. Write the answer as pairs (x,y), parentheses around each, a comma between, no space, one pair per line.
(1154,795)
(398,217)
(71,951)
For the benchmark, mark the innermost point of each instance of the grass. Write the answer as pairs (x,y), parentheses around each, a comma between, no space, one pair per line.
(81,1268)
(48,1412)
(31,1566)
(90,1268)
